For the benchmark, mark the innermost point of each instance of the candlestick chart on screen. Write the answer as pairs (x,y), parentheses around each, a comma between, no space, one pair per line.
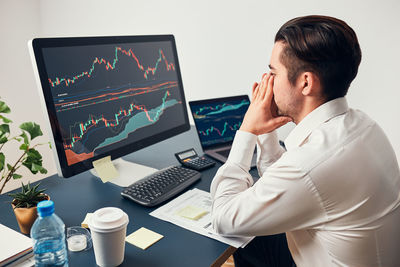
(112,95)
(218,122)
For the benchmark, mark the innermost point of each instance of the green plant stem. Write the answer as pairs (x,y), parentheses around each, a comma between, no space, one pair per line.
(12,171)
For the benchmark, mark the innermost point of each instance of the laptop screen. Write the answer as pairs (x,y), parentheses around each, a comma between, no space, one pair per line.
(218,119)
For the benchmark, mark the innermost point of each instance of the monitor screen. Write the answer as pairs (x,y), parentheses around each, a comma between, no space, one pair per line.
(109,95)
(218,119)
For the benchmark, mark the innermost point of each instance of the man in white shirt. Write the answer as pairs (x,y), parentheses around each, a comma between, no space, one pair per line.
(335,191)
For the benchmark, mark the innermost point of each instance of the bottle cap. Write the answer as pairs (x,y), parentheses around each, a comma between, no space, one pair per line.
(45,208)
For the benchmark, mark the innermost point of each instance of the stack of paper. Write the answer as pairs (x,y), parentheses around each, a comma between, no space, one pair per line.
(14,246)
(191,211)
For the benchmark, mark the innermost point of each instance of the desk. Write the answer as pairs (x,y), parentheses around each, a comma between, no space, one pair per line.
(83,193)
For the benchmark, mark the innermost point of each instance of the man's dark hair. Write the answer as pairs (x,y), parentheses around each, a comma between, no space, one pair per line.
(323,45)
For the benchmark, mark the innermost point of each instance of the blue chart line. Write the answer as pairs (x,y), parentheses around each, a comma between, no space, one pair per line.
(228,108)
(138,121)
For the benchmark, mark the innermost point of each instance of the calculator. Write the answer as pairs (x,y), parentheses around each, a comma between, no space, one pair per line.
(190,159)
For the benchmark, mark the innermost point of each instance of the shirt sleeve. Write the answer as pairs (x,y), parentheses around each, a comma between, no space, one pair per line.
(268,151)
(283,199)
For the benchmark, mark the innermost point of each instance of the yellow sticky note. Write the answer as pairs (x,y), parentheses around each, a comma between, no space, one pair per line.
(85,223)
(191,212)
(105,169)
(143,238)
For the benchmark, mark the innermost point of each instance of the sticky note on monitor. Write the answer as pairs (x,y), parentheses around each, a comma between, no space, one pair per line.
(143,238)
(192,212)
(105,169)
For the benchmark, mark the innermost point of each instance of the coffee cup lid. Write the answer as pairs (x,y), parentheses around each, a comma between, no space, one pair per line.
(108,219)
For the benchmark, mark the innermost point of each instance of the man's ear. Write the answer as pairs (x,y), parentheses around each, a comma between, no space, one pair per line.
(309,83)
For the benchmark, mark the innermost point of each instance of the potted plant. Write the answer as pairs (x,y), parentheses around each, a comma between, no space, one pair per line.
(30,158)
(24,205)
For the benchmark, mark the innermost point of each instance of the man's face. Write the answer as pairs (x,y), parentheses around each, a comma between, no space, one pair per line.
(285,95)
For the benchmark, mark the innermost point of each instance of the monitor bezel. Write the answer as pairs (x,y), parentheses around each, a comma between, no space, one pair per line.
(36,46)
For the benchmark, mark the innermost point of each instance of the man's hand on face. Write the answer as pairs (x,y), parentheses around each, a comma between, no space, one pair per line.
(262,116)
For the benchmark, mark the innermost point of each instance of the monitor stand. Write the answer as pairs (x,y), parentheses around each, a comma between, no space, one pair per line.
(129,172)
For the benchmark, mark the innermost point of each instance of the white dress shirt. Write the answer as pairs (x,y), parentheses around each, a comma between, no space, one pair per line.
(335,191)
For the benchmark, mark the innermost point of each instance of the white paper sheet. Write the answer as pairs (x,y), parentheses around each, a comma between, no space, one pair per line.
(202,200)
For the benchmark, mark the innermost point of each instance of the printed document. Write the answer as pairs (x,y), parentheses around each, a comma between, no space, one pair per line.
(192,211)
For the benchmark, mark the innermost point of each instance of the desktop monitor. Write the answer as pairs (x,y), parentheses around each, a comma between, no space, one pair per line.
(108,96)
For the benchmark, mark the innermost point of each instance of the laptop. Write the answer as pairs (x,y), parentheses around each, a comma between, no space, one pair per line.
(217,121)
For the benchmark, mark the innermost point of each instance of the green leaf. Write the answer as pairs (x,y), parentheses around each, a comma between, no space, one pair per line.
(3,139)
(29,166)
(36,167)
(5,120)
(3,134)
(17,176)
(32,128)
(28,196)
(33,160)
(24,147)
(26,139)
(4,128)
(4,108)
(2,161)
(25,188)
(35,187)
(34,154)
(9,167)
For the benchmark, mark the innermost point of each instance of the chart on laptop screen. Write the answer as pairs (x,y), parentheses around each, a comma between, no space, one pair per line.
(218,122)
(104,93)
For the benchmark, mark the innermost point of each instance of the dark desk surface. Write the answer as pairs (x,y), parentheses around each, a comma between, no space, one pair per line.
(83,193)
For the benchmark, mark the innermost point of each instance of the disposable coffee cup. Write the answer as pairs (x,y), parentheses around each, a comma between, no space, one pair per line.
(108,228)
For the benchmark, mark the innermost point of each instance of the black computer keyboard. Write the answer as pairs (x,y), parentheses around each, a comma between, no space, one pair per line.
(161,186)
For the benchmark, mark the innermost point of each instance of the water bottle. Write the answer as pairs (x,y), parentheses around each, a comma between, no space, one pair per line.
(48,234)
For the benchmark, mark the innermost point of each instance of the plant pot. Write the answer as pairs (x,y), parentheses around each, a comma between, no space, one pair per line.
(26,216)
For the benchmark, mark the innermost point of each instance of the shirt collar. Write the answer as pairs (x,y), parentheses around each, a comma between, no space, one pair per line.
(315,118)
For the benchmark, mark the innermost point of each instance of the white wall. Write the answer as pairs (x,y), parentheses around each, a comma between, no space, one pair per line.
(224,46)
(20,22)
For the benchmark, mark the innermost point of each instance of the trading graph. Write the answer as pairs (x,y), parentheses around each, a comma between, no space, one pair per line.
(112,95)
(218,122)
(111,66)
